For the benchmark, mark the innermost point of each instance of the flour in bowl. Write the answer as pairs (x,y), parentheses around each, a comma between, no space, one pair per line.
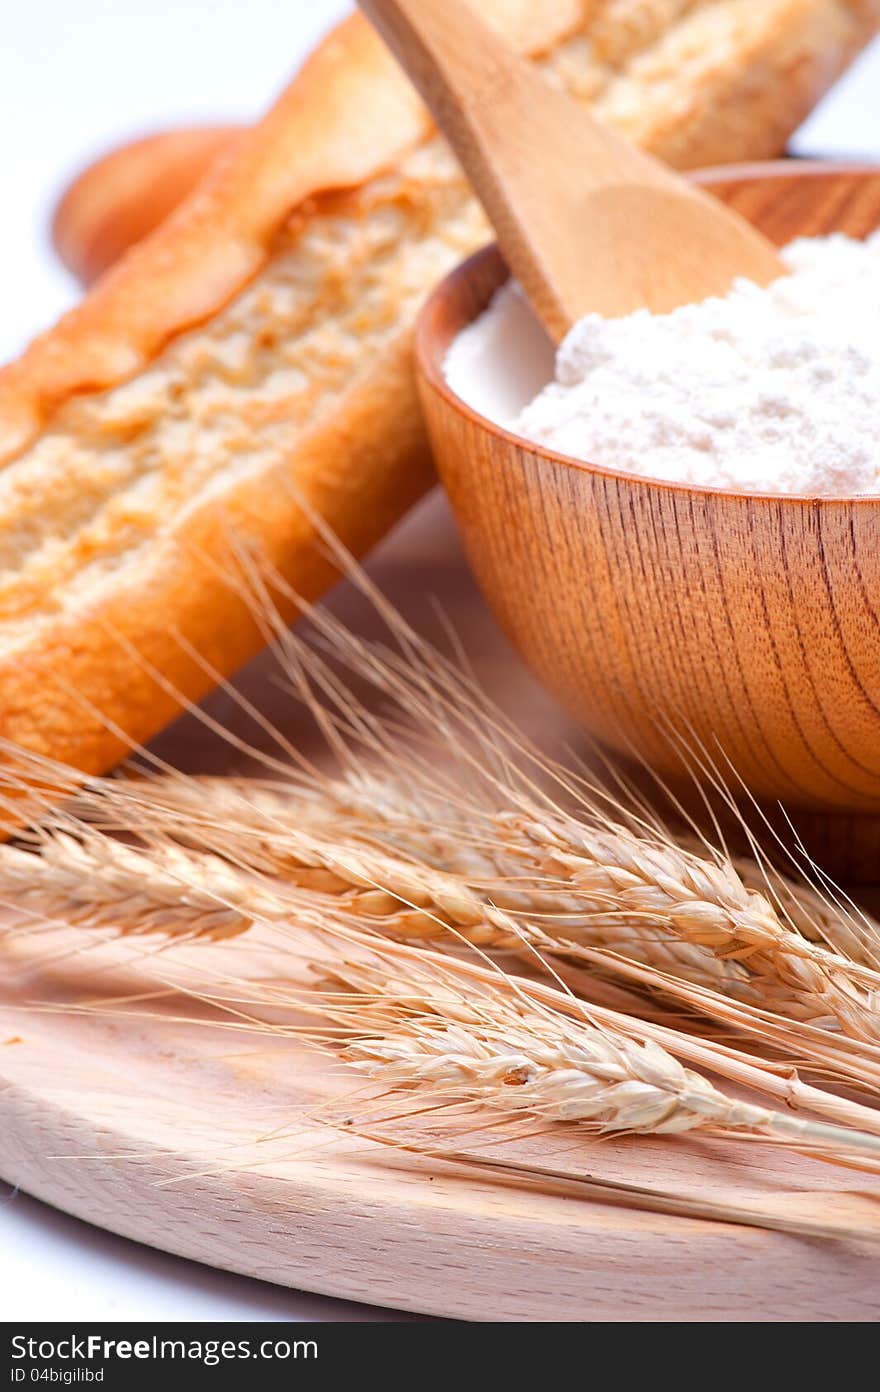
(772,390)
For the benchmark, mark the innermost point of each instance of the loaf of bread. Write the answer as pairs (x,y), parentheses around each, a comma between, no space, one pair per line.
(249,363)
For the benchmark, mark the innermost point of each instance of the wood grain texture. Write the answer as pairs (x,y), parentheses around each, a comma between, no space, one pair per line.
(749,624)
(587,222)
(161,1131)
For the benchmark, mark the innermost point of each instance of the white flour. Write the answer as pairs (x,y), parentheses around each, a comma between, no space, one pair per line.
(774,391)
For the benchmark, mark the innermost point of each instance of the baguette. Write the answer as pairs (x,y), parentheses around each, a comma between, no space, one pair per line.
(254,351)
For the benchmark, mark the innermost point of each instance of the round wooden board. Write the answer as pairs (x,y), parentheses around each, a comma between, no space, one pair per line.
(202,1142)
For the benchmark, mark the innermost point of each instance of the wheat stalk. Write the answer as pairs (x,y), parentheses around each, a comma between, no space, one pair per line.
(411,1017)
(688,917)
(572,1183)
(700,901)
(460,1032)
(706,904)
(100,883)
(159,891)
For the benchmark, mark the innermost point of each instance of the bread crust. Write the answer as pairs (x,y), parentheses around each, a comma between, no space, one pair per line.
(83,677)
(347,114)
(128,192)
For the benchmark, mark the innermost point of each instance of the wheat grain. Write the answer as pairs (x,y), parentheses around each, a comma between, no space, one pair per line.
(705,903)
(614,929)
(652,900)
(493,1047)
(854,935)
(101,883)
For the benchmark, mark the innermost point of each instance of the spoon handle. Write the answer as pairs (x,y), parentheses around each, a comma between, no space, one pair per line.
(515,137)
(585,221)
(474,83)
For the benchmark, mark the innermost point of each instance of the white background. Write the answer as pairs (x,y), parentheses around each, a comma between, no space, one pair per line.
(75,77)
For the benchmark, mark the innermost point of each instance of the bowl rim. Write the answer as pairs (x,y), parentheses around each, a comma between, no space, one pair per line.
(429,362)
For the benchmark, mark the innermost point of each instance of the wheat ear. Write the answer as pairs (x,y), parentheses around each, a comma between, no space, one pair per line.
(706,904)
(95,882)
(408,902)
(686,916)
(511,781)
(643,880)
(102,877)
(624,880)
(489,1044)
(406,899)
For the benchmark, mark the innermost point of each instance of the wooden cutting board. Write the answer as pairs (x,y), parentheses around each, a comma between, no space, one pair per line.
(201,1141)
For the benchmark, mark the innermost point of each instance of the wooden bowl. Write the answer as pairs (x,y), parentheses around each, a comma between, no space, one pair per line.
(748,624)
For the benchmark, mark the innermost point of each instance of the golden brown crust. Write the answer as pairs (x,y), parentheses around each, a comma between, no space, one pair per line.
(117,519)
(347,114)
(93,670)
(127,193)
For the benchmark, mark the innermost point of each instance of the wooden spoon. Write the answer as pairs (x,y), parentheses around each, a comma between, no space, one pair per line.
(585,221)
